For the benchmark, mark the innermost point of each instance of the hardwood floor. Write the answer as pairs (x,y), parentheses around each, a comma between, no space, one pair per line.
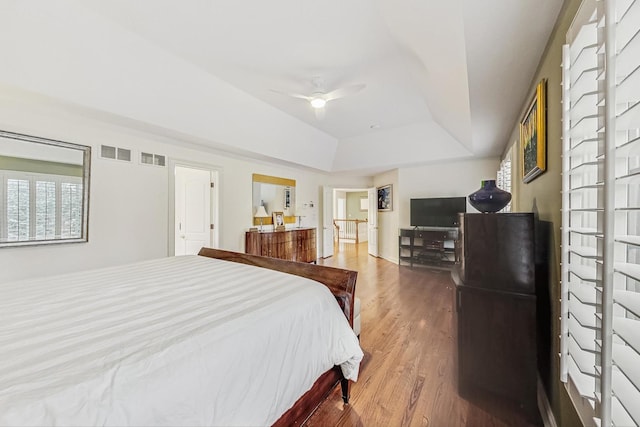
(407,375)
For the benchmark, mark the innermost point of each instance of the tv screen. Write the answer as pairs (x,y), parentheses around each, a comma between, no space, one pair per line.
(437,212)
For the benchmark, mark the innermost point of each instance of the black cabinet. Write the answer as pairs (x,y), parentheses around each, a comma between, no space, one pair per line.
(432,245)
(495,308)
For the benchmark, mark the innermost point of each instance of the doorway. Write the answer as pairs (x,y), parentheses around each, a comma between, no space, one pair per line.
(353,215)
(193,208)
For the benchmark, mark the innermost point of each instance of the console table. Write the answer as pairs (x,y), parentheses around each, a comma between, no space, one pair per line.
(296,244)
(428,245)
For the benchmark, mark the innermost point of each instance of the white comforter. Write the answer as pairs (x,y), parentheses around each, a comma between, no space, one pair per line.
(176,341)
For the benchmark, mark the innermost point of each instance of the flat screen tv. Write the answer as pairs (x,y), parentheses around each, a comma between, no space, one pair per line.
(437,212)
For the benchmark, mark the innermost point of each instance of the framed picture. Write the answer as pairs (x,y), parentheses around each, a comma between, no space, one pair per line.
(533,135)
(385,198)
(287,197)
(278,219)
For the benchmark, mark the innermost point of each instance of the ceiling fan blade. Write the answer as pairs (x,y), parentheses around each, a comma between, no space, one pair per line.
(293,95)
(319,112)
(344,91)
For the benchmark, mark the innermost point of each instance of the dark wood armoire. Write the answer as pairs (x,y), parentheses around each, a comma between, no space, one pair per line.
(495,307)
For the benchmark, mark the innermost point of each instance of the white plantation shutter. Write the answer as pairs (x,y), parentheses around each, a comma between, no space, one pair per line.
(40,206)
(625,288)
(600,350)
(503,180)
(71,209)
(17,212)
(45,217)
(582,209)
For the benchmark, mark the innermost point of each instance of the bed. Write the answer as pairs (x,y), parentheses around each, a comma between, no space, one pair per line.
(194,340)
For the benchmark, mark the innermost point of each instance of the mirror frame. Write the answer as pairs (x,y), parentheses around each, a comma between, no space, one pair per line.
(86,175)
(274,180)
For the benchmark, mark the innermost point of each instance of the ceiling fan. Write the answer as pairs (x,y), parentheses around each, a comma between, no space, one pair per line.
(320,96)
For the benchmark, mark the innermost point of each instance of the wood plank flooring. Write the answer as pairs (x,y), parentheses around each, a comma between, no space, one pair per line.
(407,377)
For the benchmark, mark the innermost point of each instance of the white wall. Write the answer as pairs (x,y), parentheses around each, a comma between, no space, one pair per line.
(109,70)
(452,179)
(129,206)
(353,205)
(129,202)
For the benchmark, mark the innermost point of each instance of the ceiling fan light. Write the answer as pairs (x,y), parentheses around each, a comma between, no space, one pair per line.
(318,102)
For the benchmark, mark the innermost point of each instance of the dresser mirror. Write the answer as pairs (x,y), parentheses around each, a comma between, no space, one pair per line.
(276,195)
(44,191)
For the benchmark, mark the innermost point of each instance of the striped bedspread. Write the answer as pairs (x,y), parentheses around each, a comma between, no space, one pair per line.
(175,341)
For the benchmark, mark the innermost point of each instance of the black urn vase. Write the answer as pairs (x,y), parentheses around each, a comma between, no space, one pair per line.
(489,198)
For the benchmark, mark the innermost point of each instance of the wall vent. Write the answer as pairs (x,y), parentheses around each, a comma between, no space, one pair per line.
(152,159)
(115,153)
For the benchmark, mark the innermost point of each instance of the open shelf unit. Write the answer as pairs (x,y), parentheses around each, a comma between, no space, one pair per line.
(428,245)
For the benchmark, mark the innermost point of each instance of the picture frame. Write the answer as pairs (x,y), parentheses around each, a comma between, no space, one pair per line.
(385,198)
(533,135)
(278,220)
(287,198)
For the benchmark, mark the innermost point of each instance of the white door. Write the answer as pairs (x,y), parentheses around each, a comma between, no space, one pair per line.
(327,222)
(373,222)
(192,210)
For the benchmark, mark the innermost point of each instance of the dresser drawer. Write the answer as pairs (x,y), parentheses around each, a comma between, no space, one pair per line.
(295,244)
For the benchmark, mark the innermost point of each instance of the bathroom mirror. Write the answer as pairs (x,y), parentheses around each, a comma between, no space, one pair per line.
(276,195)
(44,192)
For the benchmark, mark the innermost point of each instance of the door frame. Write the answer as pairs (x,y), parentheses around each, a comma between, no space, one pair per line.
(348,189)
(216,178)
(373,247)
(326,224)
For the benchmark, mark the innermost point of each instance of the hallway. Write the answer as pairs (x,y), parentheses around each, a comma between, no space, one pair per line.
(407,377)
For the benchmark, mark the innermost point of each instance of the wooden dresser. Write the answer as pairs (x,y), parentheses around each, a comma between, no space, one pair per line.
(495,308)
(296,244)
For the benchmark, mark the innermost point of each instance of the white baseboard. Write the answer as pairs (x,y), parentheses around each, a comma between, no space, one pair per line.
(393,260)
(545,407)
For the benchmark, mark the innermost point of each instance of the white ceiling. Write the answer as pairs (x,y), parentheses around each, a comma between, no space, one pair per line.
(444,79)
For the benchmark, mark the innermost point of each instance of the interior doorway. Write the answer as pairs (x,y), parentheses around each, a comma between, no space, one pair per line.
(193,208)
(352,216)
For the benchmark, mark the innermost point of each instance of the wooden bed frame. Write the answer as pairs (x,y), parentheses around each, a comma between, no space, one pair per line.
(342,283)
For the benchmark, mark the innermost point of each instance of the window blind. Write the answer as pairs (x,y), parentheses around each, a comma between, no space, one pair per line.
(45,204)
(503,180)
(40,206)
(18,211)
(600,329)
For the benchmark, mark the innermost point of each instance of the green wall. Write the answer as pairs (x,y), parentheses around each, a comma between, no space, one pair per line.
(353,205)
(39,166)
(543,197)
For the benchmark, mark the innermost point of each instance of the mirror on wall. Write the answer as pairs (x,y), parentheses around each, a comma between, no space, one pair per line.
(276,195)
(44,192)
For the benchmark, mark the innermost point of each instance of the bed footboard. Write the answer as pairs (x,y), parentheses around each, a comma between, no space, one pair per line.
(342,283)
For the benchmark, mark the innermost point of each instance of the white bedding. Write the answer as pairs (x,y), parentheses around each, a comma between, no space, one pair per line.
(175,341)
